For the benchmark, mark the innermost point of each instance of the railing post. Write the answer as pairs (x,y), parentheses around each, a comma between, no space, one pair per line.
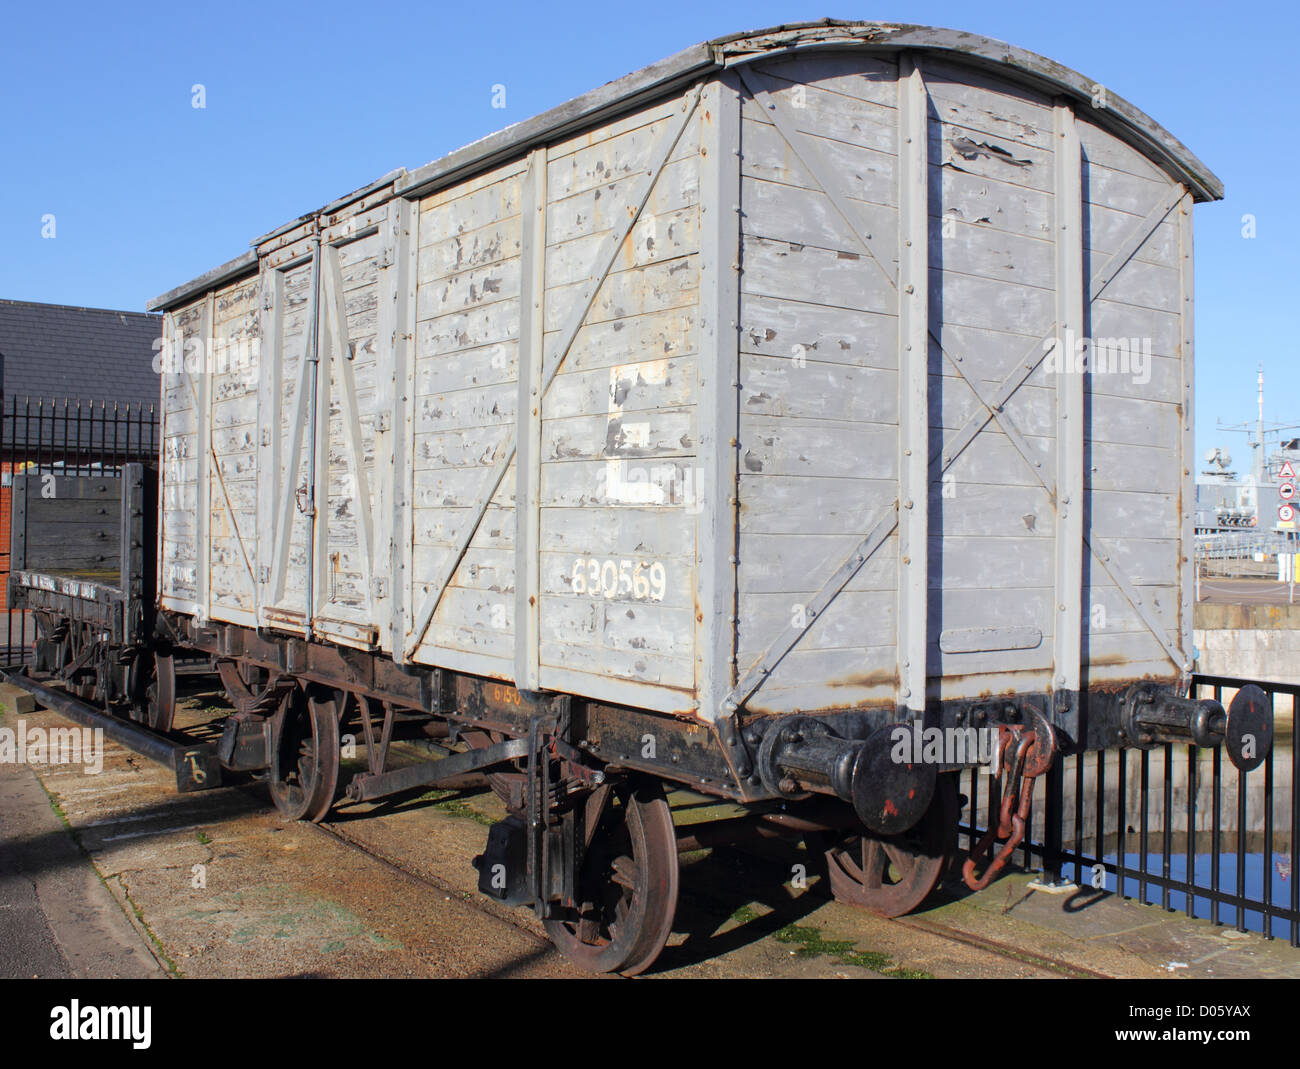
(1053,815)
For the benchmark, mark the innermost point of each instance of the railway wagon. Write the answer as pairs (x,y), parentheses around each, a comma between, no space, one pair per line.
(798,420)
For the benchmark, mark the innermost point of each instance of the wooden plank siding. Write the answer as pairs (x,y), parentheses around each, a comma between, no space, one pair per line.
(616,414)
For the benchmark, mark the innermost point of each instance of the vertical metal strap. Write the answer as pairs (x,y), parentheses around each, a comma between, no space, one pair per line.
(1068,602)
(318,421)
(270,371)
(392,260)
(717,383)
(203,488)
(1186,360)
(913,382)
(528,463)
(403,412)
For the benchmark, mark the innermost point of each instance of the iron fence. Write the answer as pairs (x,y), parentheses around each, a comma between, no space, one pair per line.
(1177,826)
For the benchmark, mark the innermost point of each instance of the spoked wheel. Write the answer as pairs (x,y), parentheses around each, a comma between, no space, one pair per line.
(892,875)
(628,886)
(85,682)
(155,685)
(251,689)
(304,774)
(47,651)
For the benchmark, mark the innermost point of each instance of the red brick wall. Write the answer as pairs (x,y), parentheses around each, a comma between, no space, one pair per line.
(6,516)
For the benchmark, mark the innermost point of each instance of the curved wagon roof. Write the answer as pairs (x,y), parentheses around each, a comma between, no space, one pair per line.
(633,90)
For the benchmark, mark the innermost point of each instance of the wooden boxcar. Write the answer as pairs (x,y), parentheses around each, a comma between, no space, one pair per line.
(810,383)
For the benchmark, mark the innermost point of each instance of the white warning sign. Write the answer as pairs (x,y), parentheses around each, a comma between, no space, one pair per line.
(1287,472)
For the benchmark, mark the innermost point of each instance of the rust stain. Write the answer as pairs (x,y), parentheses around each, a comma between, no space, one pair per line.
(879,678)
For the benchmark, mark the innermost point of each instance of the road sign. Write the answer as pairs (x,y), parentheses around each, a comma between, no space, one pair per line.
(1287,472)
(1286,491)
(1286,513)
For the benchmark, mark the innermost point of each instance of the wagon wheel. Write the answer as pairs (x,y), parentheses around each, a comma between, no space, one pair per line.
(151,686)
(47,652)
(628,886)
(508,786)
(892,875)
(82,684)
(250,689)
(304,773)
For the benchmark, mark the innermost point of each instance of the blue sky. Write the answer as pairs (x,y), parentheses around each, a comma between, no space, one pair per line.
(306,101)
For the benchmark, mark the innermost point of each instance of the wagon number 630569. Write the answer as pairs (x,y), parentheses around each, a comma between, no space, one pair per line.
(612,579)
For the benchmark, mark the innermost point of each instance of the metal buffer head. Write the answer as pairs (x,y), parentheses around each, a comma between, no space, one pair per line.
(1150,716)
(803,755)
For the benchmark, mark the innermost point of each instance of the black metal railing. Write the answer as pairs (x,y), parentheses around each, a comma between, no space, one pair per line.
(62,437)
(1177,826)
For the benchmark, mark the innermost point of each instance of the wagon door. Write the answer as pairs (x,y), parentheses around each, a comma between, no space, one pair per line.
(290,280)
(355,412)
(1003,168)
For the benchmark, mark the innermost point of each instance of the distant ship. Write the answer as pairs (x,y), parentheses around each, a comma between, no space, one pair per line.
(1252,502)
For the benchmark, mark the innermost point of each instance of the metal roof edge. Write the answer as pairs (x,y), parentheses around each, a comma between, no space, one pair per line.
(750,46)
(334,205)
(241,264)
(624,94)
(990,54)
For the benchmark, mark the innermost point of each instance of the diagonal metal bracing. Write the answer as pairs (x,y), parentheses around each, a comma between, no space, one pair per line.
(337,323)
(221,480)
(992,407)
(1041,349)
(604,262)
(288,473)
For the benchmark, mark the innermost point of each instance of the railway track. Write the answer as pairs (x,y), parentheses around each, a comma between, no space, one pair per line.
(521,921)
(482,904)
(1002,950)
(731,882)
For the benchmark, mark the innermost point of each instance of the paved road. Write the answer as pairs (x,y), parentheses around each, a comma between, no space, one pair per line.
(57,919)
